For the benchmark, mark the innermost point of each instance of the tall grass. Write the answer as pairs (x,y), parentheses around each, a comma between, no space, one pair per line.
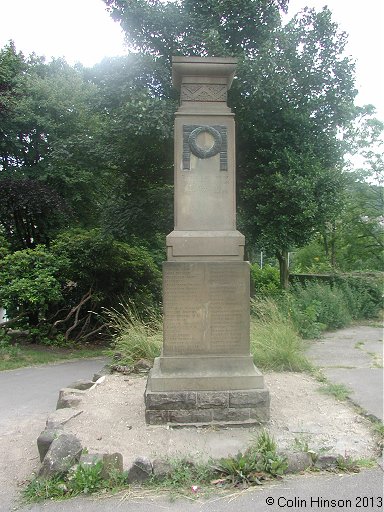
(136,336)
(275,344)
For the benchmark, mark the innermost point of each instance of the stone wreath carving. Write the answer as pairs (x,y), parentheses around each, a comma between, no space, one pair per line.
(190,144)
(202,152)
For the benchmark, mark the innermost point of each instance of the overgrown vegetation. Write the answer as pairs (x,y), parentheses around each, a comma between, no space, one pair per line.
(275,343)
(81,479)
(135,335)
(260,462)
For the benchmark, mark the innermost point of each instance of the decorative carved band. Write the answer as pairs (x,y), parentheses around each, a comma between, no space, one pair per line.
(203,92)
(190,145)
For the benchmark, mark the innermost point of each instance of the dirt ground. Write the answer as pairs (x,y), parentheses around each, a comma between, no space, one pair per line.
(113,421)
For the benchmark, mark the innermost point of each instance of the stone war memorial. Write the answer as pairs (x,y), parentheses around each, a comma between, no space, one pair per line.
(205,374)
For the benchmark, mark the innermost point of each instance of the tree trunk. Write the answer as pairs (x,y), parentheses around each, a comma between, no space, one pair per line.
(282,257)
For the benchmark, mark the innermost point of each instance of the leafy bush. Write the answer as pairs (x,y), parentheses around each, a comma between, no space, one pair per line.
(113,270)
(275,344)
(321,303)
(363,295)
(266,280)
(316,306)
(31,281)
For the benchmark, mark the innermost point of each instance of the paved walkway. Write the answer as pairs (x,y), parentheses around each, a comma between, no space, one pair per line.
(354,357)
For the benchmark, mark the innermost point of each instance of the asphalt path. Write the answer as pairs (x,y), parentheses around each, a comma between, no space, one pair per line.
(357,492)
(27,392)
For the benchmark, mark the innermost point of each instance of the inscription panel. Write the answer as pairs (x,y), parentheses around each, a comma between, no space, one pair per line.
(206,308)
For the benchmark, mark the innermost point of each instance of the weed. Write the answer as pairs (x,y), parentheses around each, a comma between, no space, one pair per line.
(81,479)
(258,463)
(339,391)
(183,475)
(351,465)
(359,344)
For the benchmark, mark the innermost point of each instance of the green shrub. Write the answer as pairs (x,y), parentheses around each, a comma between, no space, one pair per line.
(31,281)
(316,305)
(266,280)
(363,295)
(275,344)
(113,270)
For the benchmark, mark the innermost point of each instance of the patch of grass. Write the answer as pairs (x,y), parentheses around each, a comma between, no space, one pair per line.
(378,429)
(351,465)
(185,477)
(377,360)
(359,344)
(136,337)
(18,356)
(81,479)
(275,344)
(260,462)
(339,391)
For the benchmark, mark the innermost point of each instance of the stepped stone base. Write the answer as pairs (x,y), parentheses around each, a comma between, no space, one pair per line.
(226,408)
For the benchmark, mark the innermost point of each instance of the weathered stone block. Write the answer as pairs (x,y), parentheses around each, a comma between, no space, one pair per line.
(62,454)
(45,440)
(161,468)
(298,462)
(69,398)
(212,399)
(140,471)
(61,417)
(249,398)
(156,417)
(233,415)
(112,463)
(261,413)
(190,416)
(83,385)
(172,400)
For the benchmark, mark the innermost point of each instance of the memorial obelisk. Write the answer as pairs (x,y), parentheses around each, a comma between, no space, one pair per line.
(205,373)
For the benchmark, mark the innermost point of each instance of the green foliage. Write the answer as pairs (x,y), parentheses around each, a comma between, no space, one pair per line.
(266,280)
(31,280)
(183,474)
(136,336)
(339,391)
(30,212)
(316,306)
(81,479)
(275,344)
(310,259)
(112,270)
(252,466)
(198,27)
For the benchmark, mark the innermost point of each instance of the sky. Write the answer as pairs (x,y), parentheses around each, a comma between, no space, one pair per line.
(82,31)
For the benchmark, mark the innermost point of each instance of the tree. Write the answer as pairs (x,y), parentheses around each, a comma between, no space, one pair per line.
(137,109)
(51,131)
(196,27)
(293,96)
(31,213)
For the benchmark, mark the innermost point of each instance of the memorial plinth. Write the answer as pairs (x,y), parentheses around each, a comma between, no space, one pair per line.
(205,373)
